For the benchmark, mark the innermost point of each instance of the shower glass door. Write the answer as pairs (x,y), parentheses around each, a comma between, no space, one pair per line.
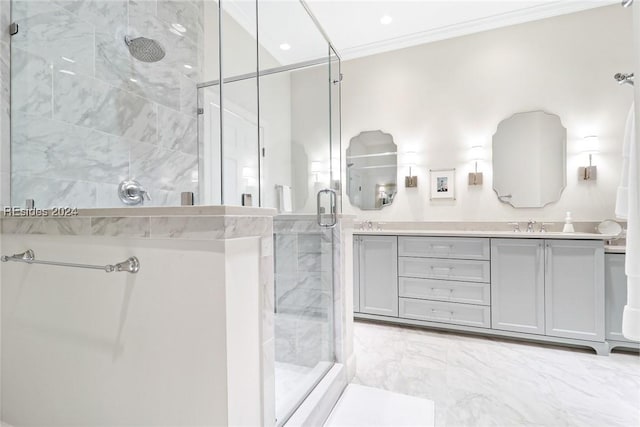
(304,246)
(297,158)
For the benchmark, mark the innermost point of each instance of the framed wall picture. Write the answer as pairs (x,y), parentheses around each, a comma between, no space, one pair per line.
(443,184)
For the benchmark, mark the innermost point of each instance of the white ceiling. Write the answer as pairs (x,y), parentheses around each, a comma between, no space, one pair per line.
(355,29)
(354,26)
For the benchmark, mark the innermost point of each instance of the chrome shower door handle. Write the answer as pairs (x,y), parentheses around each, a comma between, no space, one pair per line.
(332,207)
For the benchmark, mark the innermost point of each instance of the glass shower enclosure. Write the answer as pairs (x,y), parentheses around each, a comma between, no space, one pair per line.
(269,135)
(235,101)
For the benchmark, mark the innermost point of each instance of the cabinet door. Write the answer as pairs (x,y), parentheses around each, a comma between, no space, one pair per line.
(615,282)
(574,289)
(356,274)
(379,275)
(517,285)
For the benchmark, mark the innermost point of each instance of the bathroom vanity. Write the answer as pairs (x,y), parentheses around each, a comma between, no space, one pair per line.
(547,287)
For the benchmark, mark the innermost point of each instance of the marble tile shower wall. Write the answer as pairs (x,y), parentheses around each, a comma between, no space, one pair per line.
(87,115)
(5,105)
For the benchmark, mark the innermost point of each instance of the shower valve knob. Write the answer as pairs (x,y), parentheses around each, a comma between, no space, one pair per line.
(131,193)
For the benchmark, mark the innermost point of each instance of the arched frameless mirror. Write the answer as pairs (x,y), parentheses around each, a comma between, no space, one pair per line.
(372,169)
(529,159)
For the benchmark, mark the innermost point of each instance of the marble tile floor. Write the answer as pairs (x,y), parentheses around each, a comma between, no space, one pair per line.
(480,381)
(361,406)
(293,383)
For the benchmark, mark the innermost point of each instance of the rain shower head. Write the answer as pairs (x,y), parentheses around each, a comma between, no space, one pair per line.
(144,49)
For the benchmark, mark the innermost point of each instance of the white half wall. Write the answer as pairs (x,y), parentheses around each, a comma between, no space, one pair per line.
(162,347)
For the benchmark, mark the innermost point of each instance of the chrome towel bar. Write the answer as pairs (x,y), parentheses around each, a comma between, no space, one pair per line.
(130,265)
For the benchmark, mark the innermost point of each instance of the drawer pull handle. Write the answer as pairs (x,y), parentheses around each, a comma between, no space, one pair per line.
(447,269)
(442,289)
(450,313)
(442,246)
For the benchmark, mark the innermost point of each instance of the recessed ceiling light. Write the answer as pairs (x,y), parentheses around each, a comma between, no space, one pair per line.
(187,66)
(386,20)
(176,32)
(133,80)
(64,58)
(71,73)
(285,46)
(179,28)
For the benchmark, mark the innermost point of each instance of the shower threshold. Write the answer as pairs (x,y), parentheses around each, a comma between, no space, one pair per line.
(293,382)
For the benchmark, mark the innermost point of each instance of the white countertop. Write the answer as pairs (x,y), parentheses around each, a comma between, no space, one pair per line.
(615,249)
(483,233)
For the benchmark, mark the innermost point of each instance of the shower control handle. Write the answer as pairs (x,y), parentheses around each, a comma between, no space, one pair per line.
(132,193)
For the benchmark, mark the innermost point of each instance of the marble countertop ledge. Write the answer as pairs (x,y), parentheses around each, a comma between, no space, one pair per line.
(486,233)
(615,249)
(306,216)
(197,227)
(163,211)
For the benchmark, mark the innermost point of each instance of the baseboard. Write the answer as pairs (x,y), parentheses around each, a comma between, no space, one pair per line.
(351,367)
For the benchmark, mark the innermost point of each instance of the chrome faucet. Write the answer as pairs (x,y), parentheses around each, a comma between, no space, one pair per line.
(366,224)
(530,225)
(132,193)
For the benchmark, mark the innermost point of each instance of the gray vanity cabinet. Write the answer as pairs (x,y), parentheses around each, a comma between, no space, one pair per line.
(615,281)
(549,290)
(378,274)
(574,289)
(517,285)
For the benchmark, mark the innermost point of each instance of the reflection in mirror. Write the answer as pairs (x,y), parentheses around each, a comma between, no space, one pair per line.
(372,164)
(529,159)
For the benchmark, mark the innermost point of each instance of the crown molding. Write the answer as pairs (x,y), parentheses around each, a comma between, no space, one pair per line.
(520,16)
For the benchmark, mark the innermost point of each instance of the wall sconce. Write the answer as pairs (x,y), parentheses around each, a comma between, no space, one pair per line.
(476,178)
(316,168)
(410,181)
(590,147)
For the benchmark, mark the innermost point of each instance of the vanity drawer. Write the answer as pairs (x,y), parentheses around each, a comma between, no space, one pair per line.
(444,247)
(448,269)
(445,290)
(445,312)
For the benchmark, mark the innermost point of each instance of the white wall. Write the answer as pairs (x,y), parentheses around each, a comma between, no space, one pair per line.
(310,134)
(439,99)
(166,346)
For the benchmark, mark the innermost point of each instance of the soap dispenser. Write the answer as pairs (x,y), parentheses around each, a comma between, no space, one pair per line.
(568,224)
